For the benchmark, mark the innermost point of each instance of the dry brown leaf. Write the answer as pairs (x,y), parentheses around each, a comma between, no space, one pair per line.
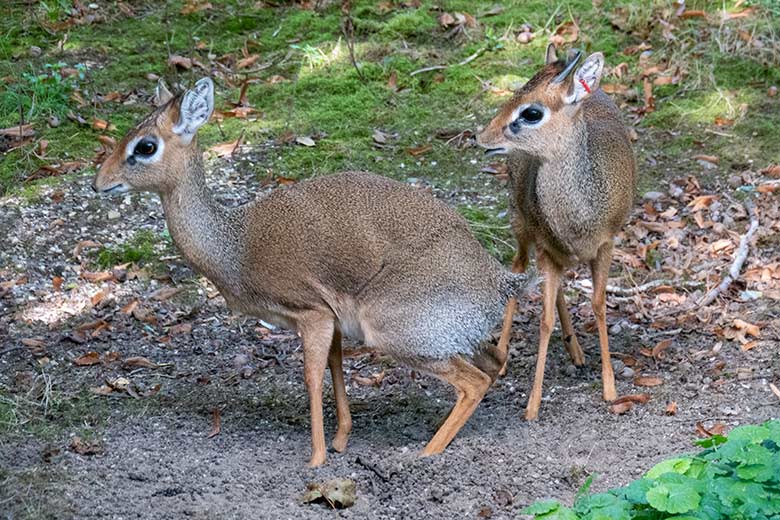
(83,447)
(181,328)
(102,390)
(33,342)
(130,307)
(250,60)
(620,408)
(175,61)
(702,202)
(98,297)
(707,158)
(773,170)
(372,380)
(56,282)
(85,244)
(101,276)
(717,429)
(419,150)
(165,293)
(671,408)
(138,361)
(227,149)
(633,398)
(648,381)
(88,359)
(658,350)
(748,346)
(216,423)
(195,6)
(392,81)
(693,14)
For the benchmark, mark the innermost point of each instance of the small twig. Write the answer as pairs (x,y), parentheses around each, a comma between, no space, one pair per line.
(442,67)
(739,257)
(372,468)
(348,29)
(587,285)
(10,349)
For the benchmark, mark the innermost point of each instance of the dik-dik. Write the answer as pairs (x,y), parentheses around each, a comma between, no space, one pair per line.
(354,254)
(572,180)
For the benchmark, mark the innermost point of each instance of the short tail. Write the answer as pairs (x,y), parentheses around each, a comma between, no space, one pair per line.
(518,284)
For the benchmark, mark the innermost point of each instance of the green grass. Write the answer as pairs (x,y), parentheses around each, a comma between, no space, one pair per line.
(325,97)
(143,248)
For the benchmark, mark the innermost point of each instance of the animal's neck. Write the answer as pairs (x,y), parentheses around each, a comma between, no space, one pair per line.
(208,234)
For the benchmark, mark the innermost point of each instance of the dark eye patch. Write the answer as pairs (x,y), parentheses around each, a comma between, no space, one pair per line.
(145,148)
(532,114)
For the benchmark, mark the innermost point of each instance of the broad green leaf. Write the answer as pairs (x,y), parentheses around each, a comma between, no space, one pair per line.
(541,507)
(603,506)
(678,465)
(710,442)
(636,492)
(549,510)
(750,433)
(674,495)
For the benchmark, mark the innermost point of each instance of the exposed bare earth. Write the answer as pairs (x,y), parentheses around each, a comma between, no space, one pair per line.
(157,461)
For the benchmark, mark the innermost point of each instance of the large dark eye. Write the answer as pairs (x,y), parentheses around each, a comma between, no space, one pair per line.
(145,147)
(532,114)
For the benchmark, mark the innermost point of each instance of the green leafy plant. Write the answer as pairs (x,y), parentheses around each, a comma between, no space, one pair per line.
(734,478)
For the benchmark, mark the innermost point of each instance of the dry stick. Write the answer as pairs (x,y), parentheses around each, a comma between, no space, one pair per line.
(442,67)
(10,349)
(348,29)
(631,291)
(739,257)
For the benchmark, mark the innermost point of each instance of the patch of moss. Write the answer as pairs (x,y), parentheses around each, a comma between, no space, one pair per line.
(143,248)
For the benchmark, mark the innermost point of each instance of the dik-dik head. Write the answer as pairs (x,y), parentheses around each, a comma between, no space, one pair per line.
(154,155)
(541,114)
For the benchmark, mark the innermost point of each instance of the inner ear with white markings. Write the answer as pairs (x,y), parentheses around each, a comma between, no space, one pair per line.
(196,107)
(586,79)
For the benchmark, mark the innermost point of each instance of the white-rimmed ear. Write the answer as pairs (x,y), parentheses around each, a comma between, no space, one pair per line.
(161,94)
(586,79)
(195,110)
(550,56)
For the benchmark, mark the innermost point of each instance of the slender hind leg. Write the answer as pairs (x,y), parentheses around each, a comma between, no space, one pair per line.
(600,271)
(340,393)
(317,335)
(552,281)
(569,339)
(519,265)
(470,383)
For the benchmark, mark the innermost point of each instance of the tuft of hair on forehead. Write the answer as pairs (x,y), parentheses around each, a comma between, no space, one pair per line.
(542,78)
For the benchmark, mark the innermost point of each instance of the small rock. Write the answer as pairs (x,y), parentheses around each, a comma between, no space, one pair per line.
(653,196)
(618,366)
(570,370)
(35,51)
(615,329)
(113,214)
(54,121)
(626,373)
(707,165)
(93,6)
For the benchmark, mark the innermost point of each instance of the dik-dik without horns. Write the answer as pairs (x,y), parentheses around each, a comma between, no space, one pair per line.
(353,253)
(572,180)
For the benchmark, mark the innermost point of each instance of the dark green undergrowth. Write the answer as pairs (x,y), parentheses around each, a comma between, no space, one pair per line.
(734,478)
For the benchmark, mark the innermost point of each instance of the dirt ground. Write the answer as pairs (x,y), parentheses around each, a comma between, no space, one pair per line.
(156,460)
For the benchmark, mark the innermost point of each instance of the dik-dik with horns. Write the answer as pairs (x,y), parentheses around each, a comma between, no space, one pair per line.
(353,253)
(572,181)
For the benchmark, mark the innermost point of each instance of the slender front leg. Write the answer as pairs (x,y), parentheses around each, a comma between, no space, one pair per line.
(600,270)
(552,281)
(317,338)
(519,265)
(569,338)
(340,393)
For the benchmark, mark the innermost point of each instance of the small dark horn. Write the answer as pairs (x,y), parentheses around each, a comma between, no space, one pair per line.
(550,56)
(569,68)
